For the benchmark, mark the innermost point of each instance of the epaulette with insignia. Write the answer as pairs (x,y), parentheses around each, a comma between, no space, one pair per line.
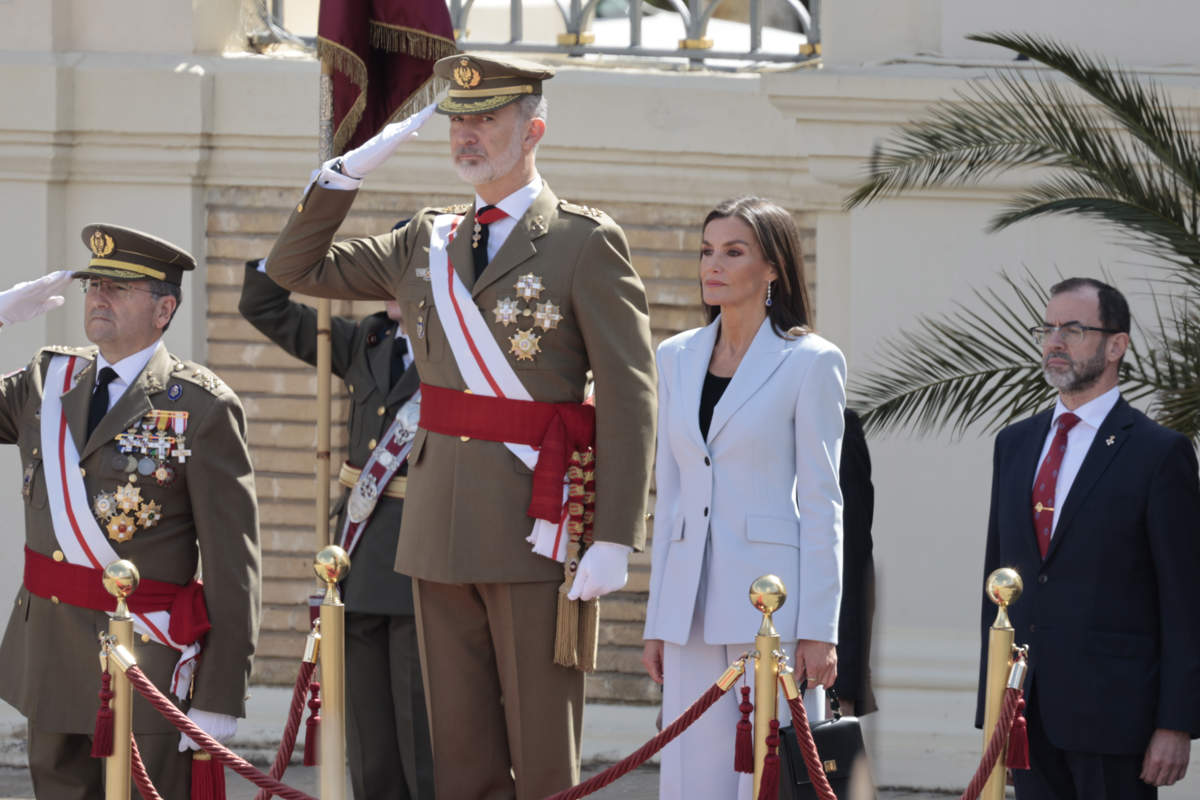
(87,351)
(202,376)
(594,214)
(457,208)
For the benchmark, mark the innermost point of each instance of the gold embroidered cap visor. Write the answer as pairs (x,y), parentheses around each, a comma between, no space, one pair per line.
(479,83)
(125,254)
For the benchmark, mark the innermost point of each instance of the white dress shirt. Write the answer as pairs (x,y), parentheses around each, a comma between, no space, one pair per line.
(515,205)
(1079,440)
(127,369)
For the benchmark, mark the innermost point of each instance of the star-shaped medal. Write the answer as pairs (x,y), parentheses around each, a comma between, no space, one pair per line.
(524,345)
(104,506)
(547,316)
(128,497)
(149,514)
(529,286)
(506,311)
(121,528)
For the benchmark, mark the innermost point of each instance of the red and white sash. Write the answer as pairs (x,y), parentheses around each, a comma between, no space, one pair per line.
(78,534)
(483,365)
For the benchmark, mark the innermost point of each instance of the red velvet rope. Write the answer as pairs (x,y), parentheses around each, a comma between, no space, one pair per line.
(141,778)
(642,755)
(138,680)
(995,746)
(808,748)
(295,712)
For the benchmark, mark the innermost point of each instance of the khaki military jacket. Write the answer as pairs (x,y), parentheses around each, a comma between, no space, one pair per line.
(465,516)
(48,661)
(361,355)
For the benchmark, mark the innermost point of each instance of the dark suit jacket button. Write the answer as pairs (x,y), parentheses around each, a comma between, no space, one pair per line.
(1043,578)
(707,463)
(1032,628)
(706,511)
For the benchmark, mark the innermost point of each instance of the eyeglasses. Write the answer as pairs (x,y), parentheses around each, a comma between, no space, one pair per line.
(112,288)
(1071,332)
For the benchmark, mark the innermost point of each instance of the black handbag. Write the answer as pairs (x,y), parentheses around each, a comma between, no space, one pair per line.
(839,744)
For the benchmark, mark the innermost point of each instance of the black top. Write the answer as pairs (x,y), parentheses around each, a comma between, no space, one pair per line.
(714,387)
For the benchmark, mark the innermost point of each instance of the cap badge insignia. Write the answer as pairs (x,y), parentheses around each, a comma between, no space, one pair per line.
(529,287)
(466,76)
(101,244)
(547,316)
(506,311)
(524,345)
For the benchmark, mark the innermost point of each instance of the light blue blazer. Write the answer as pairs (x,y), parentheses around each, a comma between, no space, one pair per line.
(762,492)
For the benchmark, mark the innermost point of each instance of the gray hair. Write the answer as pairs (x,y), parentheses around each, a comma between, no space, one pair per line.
(533,106)
(165,289)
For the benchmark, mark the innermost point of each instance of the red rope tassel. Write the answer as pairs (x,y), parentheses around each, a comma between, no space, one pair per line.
(1018,740)
(208,777)
(743,743)
(313,726)
(768,789)
(102,737)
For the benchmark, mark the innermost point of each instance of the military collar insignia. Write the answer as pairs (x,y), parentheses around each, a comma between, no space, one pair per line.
(537,226)
(153,385)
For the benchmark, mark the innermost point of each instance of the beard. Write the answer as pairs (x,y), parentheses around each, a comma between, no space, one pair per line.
(1074,376)
(489,169)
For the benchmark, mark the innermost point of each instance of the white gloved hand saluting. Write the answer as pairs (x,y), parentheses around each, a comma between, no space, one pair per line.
(360,161)
(30,299)
(221,727)
(604,568)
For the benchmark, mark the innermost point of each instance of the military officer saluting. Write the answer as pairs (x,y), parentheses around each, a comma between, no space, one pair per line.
(127,452)
(510,301)
(387,730)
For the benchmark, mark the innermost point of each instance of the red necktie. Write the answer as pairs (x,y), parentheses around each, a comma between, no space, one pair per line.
(479,239)
(1047,482)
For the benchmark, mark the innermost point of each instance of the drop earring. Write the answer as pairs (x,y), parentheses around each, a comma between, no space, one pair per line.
(769,293)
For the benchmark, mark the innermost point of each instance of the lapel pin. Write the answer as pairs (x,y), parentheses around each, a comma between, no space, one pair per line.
(1109,441)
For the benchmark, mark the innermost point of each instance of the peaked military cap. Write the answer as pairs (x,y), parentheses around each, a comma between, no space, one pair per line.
(480,83)
(123,254)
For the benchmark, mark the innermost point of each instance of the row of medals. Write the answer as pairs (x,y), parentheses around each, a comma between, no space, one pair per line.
(145,449)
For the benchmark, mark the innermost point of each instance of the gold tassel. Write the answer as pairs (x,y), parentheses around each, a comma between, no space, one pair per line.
(566,630)
(589,634)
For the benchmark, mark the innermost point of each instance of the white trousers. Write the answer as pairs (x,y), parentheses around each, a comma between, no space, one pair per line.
(698,765)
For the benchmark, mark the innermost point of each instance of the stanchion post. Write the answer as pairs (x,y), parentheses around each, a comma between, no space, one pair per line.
(767,594)
(121,580)
(331,566)
(1004,587)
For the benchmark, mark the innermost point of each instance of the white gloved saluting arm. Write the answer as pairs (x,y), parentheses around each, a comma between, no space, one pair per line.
(604,568)
(221,727)
(347,172)
(30,299)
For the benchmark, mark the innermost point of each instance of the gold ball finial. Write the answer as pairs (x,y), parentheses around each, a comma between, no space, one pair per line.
(1004,586)
(121,579)
(331,564)
(768,594)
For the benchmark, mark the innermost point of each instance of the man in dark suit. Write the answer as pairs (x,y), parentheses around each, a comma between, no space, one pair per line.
(388,731)
(1098,509)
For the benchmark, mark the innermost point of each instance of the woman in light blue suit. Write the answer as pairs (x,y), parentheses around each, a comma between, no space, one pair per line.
(749,438)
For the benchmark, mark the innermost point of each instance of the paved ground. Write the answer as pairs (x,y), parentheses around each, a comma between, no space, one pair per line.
(641,784)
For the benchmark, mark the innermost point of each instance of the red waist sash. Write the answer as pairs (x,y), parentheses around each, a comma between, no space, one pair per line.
(556,430)
(82,586)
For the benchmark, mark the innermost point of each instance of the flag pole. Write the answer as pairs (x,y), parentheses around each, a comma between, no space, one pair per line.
(324,324)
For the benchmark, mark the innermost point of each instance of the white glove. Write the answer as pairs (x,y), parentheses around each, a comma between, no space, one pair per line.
(29,299)
(604,568)
(359,162)
(221,727)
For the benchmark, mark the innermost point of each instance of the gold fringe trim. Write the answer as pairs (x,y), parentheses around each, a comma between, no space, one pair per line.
(346,62)
(410,41)
(589,634)
(425,94)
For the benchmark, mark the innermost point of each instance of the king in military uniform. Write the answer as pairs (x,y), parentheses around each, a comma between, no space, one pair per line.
(510,301)
(127,452)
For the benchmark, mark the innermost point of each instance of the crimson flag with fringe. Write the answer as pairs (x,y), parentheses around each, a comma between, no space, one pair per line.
(382,54)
